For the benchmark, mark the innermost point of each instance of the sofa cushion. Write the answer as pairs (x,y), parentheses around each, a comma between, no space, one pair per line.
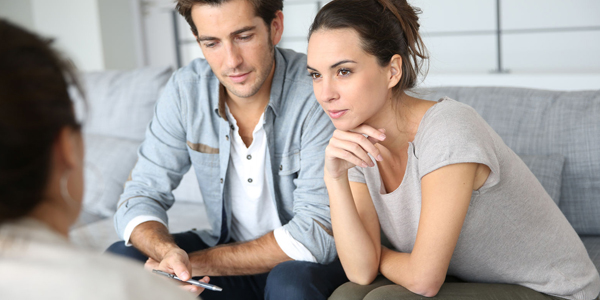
(548,171)
(121,103)
(183,216)
(119,106)
(592,244)
(108,162)
(541,122)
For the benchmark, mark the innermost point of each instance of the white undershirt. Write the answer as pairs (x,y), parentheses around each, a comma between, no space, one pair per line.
(253,210)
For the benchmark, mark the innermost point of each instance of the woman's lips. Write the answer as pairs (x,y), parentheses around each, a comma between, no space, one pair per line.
(239,78)
(334,114)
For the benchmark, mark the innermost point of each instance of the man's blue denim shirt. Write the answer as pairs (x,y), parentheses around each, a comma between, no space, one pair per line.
(187,130)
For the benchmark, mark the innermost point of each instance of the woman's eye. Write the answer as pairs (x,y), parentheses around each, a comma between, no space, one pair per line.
(343,72)
(315,75)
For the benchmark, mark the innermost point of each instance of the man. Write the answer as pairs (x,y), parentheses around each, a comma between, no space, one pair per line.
(246,120)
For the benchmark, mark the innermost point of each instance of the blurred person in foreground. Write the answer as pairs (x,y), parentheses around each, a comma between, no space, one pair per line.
(41,187)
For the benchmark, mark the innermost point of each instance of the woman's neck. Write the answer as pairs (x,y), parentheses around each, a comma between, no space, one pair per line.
(400,118)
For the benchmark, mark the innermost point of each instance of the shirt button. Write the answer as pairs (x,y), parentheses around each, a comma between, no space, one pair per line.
(221,180)
(250,180)
(249,157)
(280,167)
(232,127)
(227,137)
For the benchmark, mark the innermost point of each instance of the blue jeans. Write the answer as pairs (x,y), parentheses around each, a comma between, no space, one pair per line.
(288,280)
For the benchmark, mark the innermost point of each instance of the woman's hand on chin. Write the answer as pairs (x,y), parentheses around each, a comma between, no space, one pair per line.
(347,149)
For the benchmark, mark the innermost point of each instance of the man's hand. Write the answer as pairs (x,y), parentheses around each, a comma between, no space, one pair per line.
(154,240)
(177,262)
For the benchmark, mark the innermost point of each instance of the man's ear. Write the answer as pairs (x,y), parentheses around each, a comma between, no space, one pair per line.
(277,28)
(395,72)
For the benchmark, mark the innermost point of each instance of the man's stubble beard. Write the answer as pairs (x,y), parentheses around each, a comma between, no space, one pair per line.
(262,78)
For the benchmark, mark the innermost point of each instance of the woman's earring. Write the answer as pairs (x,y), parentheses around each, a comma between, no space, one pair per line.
(65,192)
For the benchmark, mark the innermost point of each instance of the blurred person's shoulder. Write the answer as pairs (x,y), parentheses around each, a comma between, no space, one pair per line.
(36,263)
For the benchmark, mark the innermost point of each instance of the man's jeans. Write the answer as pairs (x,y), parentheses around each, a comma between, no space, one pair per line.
(288,280)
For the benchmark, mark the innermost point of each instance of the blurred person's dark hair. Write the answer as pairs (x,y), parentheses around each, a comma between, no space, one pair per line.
(265,9)
(34,106)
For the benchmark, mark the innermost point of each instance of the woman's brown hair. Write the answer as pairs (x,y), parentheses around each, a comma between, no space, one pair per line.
(34,106)
(385,27)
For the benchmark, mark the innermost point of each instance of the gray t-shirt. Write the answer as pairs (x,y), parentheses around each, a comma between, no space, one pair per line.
(513,232)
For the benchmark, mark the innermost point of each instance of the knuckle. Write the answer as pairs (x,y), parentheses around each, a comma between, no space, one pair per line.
(347,156)
(363,139)
(337,133)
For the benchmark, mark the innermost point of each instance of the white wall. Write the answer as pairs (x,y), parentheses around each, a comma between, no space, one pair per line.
(563,60)
(75,25)
(113,34)
(159,40)
(119,47)
(95,34)
(18,12)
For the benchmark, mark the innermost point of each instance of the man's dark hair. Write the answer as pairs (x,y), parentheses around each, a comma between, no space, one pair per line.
(265,9)
(35,106)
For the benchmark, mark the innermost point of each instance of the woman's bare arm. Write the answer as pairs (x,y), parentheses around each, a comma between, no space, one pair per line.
(446,195)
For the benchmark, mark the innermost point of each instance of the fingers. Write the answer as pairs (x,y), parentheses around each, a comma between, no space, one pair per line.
(196,290)
(181,270)
(350,152)
(374,135)
(151,264)
(358,144)
(175,262)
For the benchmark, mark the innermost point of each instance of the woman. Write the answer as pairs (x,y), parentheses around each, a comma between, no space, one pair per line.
(451,197)
(41,187)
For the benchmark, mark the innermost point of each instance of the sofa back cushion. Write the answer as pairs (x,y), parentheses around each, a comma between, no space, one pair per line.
(121,103)
(541,122)
(119,106)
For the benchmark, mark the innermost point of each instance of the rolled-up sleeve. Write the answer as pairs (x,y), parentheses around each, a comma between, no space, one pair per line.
(163,159)
(311,224)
